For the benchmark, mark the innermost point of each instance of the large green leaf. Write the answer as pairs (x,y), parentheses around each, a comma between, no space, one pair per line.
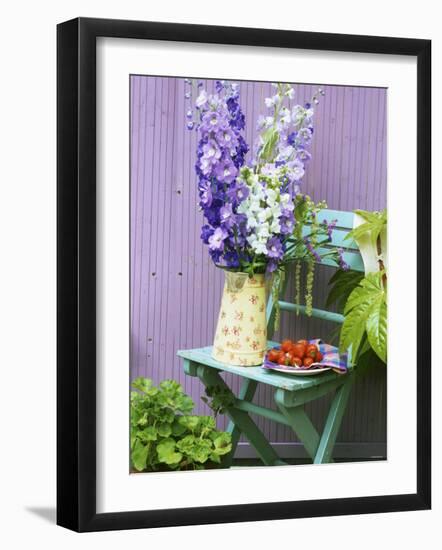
(167,453)
(189,422)
(270,138)
(148,434)
(344,282)
(142,384)
(375,223)
(377,328)
(353,327)
(201,450)
(139,455)
(364,303)
(223,443)
(368,289)
(164,429)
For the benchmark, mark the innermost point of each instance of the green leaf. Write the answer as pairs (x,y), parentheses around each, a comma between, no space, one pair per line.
(142,420)
(133,438)
(373,216)
(142,384)
(177,428)
(375,223)
(189,422)
(148,434)
(223,443)
(201,450)
(360,305)
(365,346)
(359,296)
(167,454)
(185,404)
(195,449)
(164,429)
(344,283)
(353,328)
(139,455)
(377,328)
(214,457)
(185,445)
(270,138)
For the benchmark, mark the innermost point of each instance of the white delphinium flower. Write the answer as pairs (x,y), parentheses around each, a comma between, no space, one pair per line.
(285,152)
(260,124)
(271,101)
(214,101)
(285,118)
(259,246)
(201,100)
(299,114)
(272,196)
(275,226)
(290,93)
(263,232)
(264,214)
(286,201)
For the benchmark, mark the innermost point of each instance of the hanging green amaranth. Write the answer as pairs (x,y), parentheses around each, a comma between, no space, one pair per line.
(309,287)
(297,284)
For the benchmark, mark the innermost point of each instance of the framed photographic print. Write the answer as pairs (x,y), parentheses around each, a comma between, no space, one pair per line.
(237,339)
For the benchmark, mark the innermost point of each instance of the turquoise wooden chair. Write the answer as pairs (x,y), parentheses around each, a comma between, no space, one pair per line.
(291,393)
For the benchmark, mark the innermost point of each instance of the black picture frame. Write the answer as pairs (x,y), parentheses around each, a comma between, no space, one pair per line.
(76,273)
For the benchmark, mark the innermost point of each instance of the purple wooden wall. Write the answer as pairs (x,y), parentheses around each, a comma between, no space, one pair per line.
(175,289)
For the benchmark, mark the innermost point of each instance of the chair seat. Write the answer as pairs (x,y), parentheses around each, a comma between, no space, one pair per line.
(290,382)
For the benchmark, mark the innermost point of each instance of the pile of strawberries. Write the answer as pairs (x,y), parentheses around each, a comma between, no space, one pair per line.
(295,354)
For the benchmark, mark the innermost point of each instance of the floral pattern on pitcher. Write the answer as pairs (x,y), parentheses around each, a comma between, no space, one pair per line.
(241,335)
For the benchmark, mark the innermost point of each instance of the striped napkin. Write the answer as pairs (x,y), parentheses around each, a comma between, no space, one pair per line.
(331,358)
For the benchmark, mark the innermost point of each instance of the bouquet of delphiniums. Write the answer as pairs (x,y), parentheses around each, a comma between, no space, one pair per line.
(255,212)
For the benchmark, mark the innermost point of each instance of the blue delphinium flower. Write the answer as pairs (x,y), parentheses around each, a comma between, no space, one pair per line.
(220,154)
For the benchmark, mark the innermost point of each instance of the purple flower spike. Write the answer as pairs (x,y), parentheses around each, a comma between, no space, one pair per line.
(227,217)
(342,263)
(272,266)
(311,249)
(274,248)
(216,241)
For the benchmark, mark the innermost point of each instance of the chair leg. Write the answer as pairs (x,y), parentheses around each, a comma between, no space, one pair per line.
(246,393)
(333,423)
(300,423)
(241,419)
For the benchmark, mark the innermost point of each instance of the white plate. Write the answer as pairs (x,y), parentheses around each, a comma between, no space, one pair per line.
(301,372)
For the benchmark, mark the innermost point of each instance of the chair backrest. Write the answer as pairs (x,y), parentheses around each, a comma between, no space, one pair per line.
(351,255)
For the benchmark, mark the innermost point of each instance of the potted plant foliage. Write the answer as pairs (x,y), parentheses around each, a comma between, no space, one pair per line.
(363,297)
(166,436)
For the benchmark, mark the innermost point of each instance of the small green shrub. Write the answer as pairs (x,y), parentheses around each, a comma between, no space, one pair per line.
(165,436)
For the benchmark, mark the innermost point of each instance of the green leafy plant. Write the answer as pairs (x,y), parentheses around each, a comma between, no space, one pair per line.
(218,399)
(165,436)
(363,299)
(366,312)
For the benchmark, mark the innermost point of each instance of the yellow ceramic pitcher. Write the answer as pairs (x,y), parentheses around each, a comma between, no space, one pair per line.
(241,333)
